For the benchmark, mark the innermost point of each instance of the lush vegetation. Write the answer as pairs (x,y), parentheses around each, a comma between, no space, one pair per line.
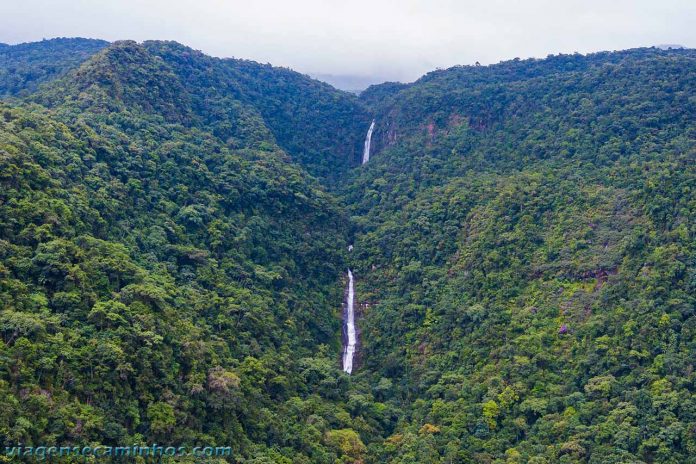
(526,239)
(173,231)
(24,67)
(159,282)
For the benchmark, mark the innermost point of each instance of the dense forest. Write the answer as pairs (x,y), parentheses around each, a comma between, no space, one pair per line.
(174,233)
(25,66)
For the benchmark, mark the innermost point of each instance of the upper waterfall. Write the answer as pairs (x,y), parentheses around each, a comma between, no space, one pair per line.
(351,335)
(368,140)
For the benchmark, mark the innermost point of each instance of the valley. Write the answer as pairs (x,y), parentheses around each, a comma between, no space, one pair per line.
(492,264)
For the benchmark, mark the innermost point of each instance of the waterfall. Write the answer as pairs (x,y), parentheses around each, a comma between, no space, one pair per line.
(351,336)
(368,140)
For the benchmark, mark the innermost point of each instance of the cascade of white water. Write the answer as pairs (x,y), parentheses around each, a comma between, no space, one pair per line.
(351,336)
(368,140)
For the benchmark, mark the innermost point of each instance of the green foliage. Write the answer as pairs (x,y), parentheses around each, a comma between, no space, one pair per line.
(158,281)
(25,66)
(524,234)
(347,443)
(525,249)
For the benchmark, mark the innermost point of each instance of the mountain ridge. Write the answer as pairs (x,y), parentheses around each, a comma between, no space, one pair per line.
(174,232)
(31,64)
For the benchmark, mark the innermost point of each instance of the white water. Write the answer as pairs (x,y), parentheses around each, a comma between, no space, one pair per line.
(349,349)
(368,140)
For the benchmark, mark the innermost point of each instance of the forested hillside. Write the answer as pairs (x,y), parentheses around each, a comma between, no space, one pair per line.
(173,236)
(525,237)
(25,66)
(321,127)
(160,281)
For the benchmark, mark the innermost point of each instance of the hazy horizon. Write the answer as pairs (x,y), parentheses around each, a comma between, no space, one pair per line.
(363,42)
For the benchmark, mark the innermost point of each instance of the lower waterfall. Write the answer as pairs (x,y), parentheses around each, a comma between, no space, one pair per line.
(351,335)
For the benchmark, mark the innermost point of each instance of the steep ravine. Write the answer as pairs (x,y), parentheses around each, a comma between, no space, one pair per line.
(350,333)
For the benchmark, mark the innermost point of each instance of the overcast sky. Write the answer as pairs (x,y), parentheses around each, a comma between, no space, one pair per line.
(380,39)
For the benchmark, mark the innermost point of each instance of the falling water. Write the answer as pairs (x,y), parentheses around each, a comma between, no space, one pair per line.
(368,140)
(349,349)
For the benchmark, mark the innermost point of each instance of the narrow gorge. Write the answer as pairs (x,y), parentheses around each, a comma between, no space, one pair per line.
(193,251)
(349,331)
